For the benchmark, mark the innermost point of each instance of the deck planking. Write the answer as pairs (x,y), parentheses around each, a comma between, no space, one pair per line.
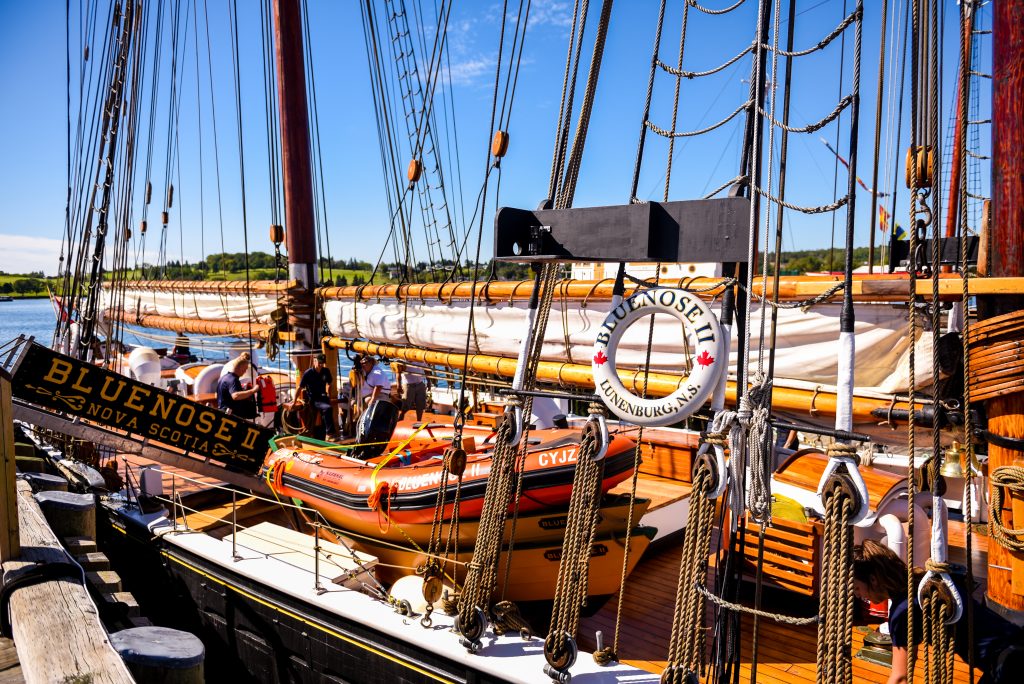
(55,623)
(10,666)
(786,654)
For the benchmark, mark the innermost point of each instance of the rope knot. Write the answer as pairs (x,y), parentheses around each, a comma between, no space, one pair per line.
(838,449)
(937,567)
(717,439)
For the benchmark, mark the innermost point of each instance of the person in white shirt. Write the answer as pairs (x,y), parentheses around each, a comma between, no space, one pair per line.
(375,384)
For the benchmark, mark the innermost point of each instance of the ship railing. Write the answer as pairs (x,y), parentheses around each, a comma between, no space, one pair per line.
(178,508)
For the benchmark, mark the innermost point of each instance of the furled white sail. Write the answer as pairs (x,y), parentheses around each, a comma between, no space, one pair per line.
(237,308)
(805,347)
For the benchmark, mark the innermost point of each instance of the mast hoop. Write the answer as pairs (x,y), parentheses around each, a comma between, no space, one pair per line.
(711,355)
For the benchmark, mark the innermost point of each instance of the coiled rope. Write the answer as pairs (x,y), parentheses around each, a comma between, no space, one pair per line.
(1005,478)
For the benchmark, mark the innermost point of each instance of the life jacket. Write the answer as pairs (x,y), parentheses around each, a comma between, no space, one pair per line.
(266,398)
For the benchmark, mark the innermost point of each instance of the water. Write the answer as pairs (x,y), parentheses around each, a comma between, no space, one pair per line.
(27,317)
(36,317)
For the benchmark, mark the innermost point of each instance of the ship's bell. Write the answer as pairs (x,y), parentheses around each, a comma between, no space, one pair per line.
(952,461)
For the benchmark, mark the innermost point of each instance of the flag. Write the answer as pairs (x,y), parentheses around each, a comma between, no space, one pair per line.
(847,165)
(899,233)
(883,219)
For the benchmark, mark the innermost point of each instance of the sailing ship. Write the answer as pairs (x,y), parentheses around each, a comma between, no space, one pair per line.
(287,585)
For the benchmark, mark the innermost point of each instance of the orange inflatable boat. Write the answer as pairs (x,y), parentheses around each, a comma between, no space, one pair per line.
(402,485)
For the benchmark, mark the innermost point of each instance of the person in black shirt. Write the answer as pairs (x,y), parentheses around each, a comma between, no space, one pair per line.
(231,396)
(315,382)
(181,352)
(879,574)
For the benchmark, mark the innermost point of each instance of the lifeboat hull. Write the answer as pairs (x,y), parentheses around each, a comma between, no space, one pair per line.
(534,567)
(350,492)
(530,528)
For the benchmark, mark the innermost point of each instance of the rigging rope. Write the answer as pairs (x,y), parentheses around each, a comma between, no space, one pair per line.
(835,659)
(574,568)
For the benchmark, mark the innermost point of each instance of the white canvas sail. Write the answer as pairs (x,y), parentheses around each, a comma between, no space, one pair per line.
(805,347)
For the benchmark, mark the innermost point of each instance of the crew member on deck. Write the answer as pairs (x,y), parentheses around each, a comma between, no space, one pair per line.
(375,385)
(316,381)
(231,396)
(181,352)
(413,386)
(879,574)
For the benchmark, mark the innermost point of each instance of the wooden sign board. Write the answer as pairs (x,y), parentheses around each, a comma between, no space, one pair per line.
(58,382)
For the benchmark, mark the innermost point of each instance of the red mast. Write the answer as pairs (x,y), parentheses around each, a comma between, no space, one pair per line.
(1006,413)
(295,162)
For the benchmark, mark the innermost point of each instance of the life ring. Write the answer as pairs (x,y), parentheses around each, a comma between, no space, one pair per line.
(710,356)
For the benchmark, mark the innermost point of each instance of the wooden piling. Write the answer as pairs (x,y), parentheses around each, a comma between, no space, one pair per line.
(70,515)
(158,655)
(54,623)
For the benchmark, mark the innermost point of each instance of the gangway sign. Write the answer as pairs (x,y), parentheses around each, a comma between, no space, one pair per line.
(58,382)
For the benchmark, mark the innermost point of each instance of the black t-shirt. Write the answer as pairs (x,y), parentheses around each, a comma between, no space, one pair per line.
(316,383)
(992,633)
(229,383)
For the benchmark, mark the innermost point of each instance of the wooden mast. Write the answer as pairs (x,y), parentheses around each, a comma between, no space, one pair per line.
(952,209)
(296,167)
(1006,413)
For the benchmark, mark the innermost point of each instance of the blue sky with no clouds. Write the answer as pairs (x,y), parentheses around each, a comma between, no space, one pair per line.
(32,78)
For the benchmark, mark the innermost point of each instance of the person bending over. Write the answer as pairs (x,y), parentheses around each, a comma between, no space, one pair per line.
(879,575)
(375,385)
(231,396)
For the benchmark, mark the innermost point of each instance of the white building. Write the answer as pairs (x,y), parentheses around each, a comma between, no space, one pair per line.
(646,271)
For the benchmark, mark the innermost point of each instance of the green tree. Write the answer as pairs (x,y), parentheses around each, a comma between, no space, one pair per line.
(24,286)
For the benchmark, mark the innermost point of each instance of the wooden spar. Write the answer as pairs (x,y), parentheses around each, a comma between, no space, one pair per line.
(952,208)
(54,623)
(579,375)
(1006,412)
(297,178)
(866,288)
(195,326)
(220,287)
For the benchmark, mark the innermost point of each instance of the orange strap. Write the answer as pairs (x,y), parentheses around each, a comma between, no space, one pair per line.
(380,501)
(275,476)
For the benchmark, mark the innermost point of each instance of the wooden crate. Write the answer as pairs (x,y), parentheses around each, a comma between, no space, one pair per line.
(792,553)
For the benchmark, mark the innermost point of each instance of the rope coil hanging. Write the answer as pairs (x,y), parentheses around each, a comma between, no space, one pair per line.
(1005,479)
(835,606)
(687,643)
(560,648)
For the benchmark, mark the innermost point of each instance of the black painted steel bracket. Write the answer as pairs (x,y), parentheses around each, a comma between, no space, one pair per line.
(714,230)
(899,252)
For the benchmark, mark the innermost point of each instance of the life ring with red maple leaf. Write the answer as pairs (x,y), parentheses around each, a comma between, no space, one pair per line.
(710,357)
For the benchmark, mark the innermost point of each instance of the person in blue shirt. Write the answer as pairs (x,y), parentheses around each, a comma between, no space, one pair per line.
(315,382)
(879,575)
(231,396)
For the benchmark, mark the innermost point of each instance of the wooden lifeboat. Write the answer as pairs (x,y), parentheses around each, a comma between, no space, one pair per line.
(534,567)
(536,527)
(402,488)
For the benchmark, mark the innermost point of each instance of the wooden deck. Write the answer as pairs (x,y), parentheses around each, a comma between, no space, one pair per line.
(786,654)
(10,668)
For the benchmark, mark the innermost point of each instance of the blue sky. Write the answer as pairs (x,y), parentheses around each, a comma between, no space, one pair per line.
(32,76)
